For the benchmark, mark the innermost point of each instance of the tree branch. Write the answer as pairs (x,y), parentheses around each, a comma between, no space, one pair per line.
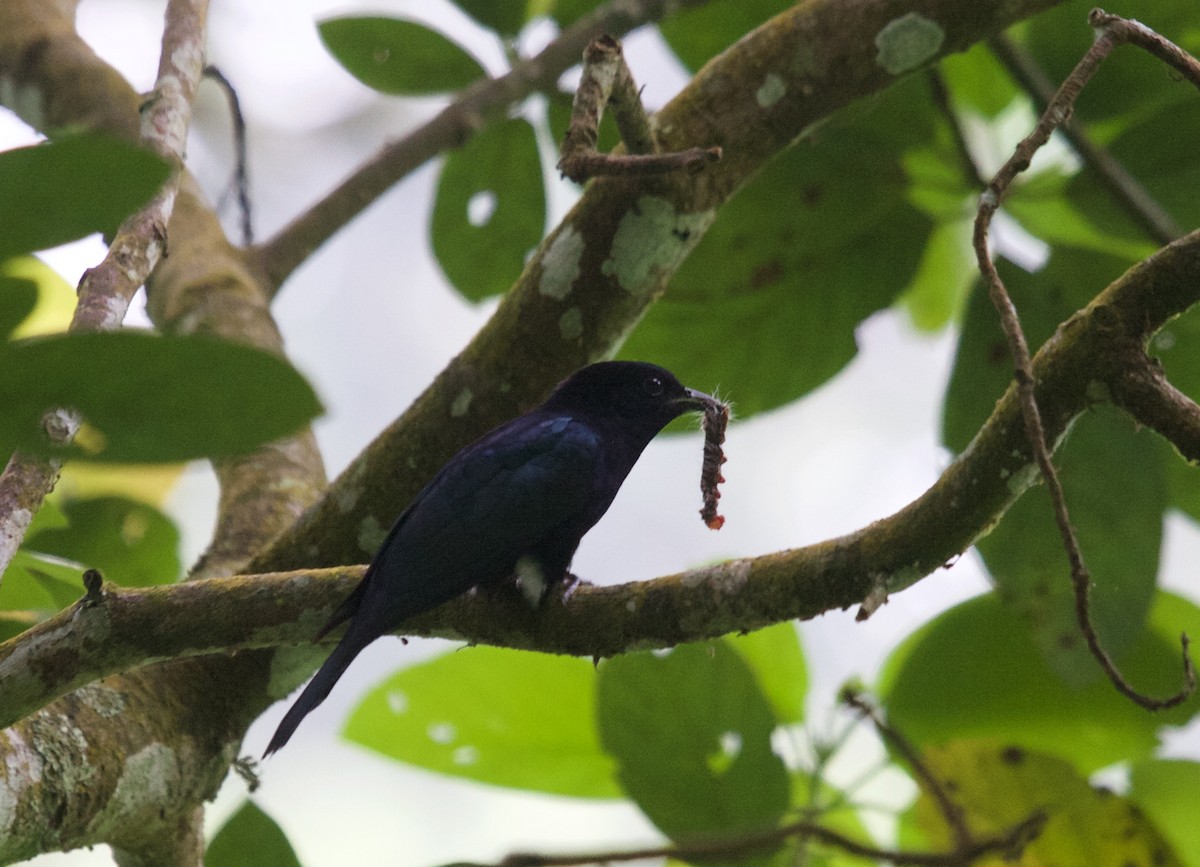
(1111,31)
(106,290)
(483,102)
(613,255)
(246,612)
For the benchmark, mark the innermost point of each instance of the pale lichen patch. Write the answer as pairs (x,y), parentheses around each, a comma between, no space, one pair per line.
(462,403)
(146,782)
(650,243)
(570,324)
(772,90)
(560,264)
(104,700)
(371,534)
(907,42)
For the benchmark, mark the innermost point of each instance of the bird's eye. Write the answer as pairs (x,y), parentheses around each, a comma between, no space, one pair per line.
(653,386)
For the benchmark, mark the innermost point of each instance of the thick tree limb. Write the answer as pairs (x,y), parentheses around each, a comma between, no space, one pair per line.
(257,611)
(593,278)
(106,290)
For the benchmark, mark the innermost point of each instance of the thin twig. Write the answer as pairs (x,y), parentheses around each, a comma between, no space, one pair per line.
(106,290)
(241,175)
(1014,840)
(1111,31)
(951,811)
(1127,190)
(480,103)
(944,104)
(607,81)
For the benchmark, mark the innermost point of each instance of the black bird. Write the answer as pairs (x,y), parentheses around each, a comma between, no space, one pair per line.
(513,504)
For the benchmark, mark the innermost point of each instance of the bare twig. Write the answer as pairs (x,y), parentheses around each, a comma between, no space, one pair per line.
(480,103)
(1127,190)
(1141,389)
(941,98)
(951,811)
(241,176)
(1111,31)
(607,81)
(1012,841)
(106,290)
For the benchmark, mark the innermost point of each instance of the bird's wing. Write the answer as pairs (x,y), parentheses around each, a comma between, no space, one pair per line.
(534,479)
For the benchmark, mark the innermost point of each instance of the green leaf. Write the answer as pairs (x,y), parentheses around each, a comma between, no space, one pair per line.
(691,734)
(398,57)
(938,292)
(506,17)
(18,297)
(787,261)
(147,398)
(983,366)
(250,838)
(997,785)
(503,717)
(41,582)
(696,35)
(775,657)
(131,543)
(1130,82)
(978,81)
(1115,485)
(567,12)
(974,672)
(1168,792)
(490,209)
(62,190)
(1119,536)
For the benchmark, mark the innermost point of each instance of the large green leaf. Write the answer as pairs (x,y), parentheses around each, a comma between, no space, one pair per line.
(1116,490)
(490,209)
(1131,81)
(62,190)
(131,543)
(798,259)
(398,57)
(775,657)
(696,35)
(975,672)
(250,838)
(1114,477)
(147,398)
(1168,792)
(504,717)
(997,785)
(691,734)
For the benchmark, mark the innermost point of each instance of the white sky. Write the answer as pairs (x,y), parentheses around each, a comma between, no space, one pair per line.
(370,321)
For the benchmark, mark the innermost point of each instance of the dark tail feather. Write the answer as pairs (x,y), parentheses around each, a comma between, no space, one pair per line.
(318,688)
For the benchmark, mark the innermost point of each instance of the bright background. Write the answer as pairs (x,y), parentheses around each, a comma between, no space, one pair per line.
(370,320)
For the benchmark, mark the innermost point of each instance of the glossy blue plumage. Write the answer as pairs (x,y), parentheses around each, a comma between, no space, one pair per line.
(517,499)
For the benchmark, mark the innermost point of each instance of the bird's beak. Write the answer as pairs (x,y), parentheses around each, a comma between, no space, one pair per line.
(696,400)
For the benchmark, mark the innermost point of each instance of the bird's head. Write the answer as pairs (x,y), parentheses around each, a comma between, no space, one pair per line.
(640,394)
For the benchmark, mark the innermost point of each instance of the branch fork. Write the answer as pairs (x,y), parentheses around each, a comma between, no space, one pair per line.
(607,82)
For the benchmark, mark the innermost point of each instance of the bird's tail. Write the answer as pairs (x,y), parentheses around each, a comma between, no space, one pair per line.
(318,688)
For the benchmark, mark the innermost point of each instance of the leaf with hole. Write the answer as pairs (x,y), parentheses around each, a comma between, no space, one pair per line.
(691,734)
(398,57)
(66,189)
(146,398)
(490,209)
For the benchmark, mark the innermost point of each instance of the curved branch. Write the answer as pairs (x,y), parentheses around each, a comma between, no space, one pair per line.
(257,611)
(613,255)
(484,101)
